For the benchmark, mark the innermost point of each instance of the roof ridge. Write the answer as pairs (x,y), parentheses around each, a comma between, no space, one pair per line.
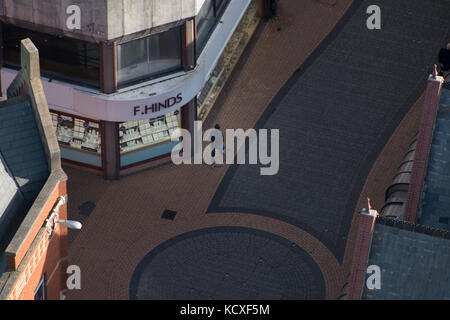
(413,227)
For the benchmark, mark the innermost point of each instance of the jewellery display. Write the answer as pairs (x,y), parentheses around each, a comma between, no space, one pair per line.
(137,134)
(77,133)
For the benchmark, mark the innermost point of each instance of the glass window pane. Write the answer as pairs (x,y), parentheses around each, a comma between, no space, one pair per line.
(205,24)
(132,60)
(220,6)
(135,135)
(39,292)
(146,58)
(61,58)
(165,52)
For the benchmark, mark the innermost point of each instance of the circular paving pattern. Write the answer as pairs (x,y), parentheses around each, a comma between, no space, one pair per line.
(229,263)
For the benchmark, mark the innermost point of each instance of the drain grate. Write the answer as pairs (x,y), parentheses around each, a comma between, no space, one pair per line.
(169,214)
(86,208)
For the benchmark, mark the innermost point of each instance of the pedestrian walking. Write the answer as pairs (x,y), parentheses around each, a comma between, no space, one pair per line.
(213,153)
(220,149)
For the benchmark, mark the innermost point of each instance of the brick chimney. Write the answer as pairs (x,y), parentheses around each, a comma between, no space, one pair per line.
(361,254)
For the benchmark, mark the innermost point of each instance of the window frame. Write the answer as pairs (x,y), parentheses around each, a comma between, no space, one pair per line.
(218,11)
(82,79)
(149,76)
(41,285)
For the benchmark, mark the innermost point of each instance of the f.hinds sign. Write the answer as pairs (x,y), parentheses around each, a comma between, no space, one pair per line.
(158,106)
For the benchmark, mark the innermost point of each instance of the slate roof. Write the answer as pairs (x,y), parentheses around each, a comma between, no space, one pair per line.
(23,164)
(413,265)
(21,147)
(8,187)
(436,200)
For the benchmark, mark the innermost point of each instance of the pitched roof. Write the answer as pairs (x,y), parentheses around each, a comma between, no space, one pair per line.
(436,199)
(21,146)
(8,187)
(23,164)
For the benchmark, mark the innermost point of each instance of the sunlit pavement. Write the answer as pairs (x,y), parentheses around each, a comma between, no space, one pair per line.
(120,233)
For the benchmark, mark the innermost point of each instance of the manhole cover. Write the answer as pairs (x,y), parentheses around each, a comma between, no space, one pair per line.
(86,208)
(169,214)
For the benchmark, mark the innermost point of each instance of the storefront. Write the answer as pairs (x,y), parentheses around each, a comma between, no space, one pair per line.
(81,139)
(114,104)
(147,139)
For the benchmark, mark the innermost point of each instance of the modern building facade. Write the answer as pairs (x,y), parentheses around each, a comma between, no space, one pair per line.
(120,75)
(33,196)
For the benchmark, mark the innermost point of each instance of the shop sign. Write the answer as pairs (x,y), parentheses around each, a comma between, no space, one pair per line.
(152,108)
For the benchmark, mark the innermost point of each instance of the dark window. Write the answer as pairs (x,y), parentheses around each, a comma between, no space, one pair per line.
(39,293)
(61,58)
(207,19)
(220,6)
(145,58)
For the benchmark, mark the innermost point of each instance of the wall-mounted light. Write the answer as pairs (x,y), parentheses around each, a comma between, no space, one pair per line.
(76,225)
(52,220)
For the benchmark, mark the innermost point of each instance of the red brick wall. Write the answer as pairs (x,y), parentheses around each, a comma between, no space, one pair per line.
(361,255)
(48,257)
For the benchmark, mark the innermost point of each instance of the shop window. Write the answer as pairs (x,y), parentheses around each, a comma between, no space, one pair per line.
(207,19)
(146,58)
(136,135)
(77,134)
(61,58)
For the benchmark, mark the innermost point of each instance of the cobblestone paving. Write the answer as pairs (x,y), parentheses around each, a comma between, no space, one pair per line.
(226,263)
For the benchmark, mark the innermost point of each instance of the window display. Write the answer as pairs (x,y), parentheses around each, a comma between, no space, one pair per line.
(135,135)
(77,133)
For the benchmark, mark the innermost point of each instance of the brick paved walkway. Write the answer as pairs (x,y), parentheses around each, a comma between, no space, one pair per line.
(336,114)
(126,223)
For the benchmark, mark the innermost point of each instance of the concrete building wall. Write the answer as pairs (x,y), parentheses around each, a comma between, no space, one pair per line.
(53,15)
(100,19)
(129,16)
